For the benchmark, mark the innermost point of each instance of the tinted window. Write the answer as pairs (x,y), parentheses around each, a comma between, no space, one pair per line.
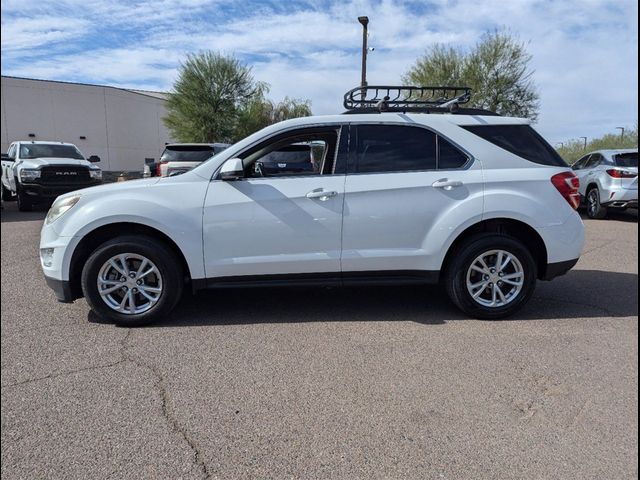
(627,159)
(449,157)
(521,140)
(581,163)
(387,148)
(44,150)
(594,161)
(187,153)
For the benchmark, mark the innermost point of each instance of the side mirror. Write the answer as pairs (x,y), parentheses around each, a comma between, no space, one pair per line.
(94,159)
(232,169)
(7,158)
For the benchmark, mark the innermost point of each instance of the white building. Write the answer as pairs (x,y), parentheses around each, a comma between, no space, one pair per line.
(122,127)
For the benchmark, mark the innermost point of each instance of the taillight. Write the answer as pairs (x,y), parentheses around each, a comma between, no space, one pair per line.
(159,168)
(568,184)
(621,173)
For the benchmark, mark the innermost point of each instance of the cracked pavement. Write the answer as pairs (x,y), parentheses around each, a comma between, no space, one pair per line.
(325,383)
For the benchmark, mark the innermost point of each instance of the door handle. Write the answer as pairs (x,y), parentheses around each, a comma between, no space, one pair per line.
(447,184)
(321,194)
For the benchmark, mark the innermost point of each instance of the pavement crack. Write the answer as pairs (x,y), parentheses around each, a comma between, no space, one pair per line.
(166,410)
(63,374)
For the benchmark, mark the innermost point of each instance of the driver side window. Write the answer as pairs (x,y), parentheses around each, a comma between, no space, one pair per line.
(300,153)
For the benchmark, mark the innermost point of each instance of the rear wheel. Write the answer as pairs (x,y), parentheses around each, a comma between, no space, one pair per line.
(595,209)
(491,276)
(132,280)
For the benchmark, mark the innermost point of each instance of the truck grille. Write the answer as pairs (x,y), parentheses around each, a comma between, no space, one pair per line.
(64,175)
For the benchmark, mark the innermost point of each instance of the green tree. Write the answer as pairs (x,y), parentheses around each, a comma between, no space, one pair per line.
(496,69)
(217,99)
(573,150)
(261,112)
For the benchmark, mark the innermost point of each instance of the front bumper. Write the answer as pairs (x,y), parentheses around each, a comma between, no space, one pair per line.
(62,289)
(53,191)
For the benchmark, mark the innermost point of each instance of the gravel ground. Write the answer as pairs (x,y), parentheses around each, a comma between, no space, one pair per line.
(325,383)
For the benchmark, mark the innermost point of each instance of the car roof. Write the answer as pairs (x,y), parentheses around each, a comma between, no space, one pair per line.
(611,152)
(44,142)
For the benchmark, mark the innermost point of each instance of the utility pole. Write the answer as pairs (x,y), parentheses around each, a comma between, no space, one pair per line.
(621,133)
(364,21)
(585,142)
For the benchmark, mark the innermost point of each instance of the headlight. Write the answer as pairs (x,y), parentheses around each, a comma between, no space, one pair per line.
(59,208)
(29,174)
(95,173)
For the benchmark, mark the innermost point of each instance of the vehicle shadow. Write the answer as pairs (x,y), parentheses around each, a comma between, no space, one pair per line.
(630,215)
(10,213)
(579,294)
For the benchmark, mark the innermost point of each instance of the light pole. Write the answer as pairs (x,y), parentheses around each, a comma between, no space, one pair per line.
(621,132)
(585,142)
(364,21)
(561,144)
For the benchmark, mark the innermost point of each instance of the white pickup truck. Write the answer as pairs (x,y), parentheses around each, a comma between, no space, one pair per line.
(37,172)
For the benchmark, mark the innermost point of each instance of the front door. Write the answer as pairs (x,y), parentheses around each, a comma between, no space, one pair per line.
(285,216)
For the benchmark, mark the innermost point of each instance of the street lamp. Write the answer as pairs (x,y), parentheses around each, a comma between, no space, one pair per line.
(561,144)
(585,142)
(621,132)
(364,21)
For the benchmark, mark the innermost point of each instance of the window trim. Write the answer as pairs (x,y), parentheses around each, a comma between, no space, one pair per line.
(353,149)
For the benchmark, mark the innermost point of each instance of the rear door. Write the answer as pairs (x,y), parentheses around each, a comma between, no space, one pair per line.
(402,181)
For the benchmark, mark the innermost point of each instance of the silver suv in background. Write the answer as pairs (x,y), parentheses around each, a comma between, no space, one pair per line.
(608,180)
(178,158)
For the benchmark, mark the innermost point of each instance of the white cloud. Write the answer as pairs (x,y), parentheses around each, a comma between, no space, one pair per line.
(584,52)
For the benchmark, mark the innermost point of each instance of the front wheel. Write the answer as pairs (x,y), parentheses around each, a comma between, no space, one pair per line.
(25,203)
(7,196)
(491,276)
(132,280)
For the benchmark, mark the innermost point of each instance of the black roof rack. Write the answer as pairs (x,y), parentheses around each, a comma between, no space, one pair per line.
(383,98)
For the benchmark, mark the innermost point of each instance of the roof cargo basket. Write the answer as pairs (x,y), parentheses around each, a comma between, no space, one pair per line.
(378,98)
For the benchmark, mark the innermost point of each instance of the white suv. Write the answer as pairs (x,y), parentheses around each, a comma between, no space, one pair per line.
(480,203)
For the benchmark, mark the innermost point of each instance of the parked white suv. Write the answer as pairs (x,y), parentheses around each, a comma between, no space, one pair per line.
(608,180)
(479,203)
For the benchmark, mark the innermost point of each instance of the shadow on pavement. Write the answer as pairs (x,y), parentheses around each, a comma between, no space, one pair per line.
(630,216)
(579,294)
(10,213)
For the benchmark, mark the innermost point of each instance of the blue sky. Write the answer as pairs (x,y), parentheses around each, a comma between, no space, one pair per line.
(584,51)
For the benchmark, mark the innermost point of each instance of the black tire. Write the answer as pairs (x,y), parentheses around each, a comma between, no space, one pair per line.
(455,276)
(595,209)
(25,204)
(157,252)
(7,196)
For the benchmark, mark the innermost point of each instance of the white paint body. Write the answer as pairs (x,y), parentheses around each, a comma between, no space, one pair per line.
(367,222)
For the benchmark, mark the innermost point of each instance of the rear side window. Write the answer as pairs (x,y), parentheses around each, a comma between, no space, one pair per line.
(187,153)
(449,157)
(627,160)
(521,140)
(391,148)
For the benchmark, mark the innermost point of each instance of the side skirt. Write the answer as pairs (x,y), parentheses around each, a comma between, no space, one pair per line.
(330,279)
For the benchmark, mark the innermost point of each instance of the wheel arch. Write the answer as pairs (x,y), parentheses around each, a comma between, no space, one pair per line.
(504,226)
(101,234)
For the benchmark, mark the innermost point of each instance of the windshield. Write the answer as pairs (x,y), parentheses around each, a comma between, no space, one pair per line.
(187,153)
(626,159)
(43,150)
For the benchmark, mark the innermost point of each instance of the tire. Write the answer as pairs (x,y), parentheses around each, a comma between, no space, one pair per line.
(7,196)
(595,209)
(169,280)
(459,273)
(25,204)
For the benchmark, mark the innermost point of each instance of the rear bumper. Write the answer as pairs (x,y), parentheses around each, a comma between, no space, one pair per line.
(558,269)
(620,198)
(61,288)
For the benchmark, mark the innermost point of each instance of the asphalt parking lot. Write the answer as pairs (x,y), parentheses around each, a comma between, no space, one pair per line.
(325,383)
